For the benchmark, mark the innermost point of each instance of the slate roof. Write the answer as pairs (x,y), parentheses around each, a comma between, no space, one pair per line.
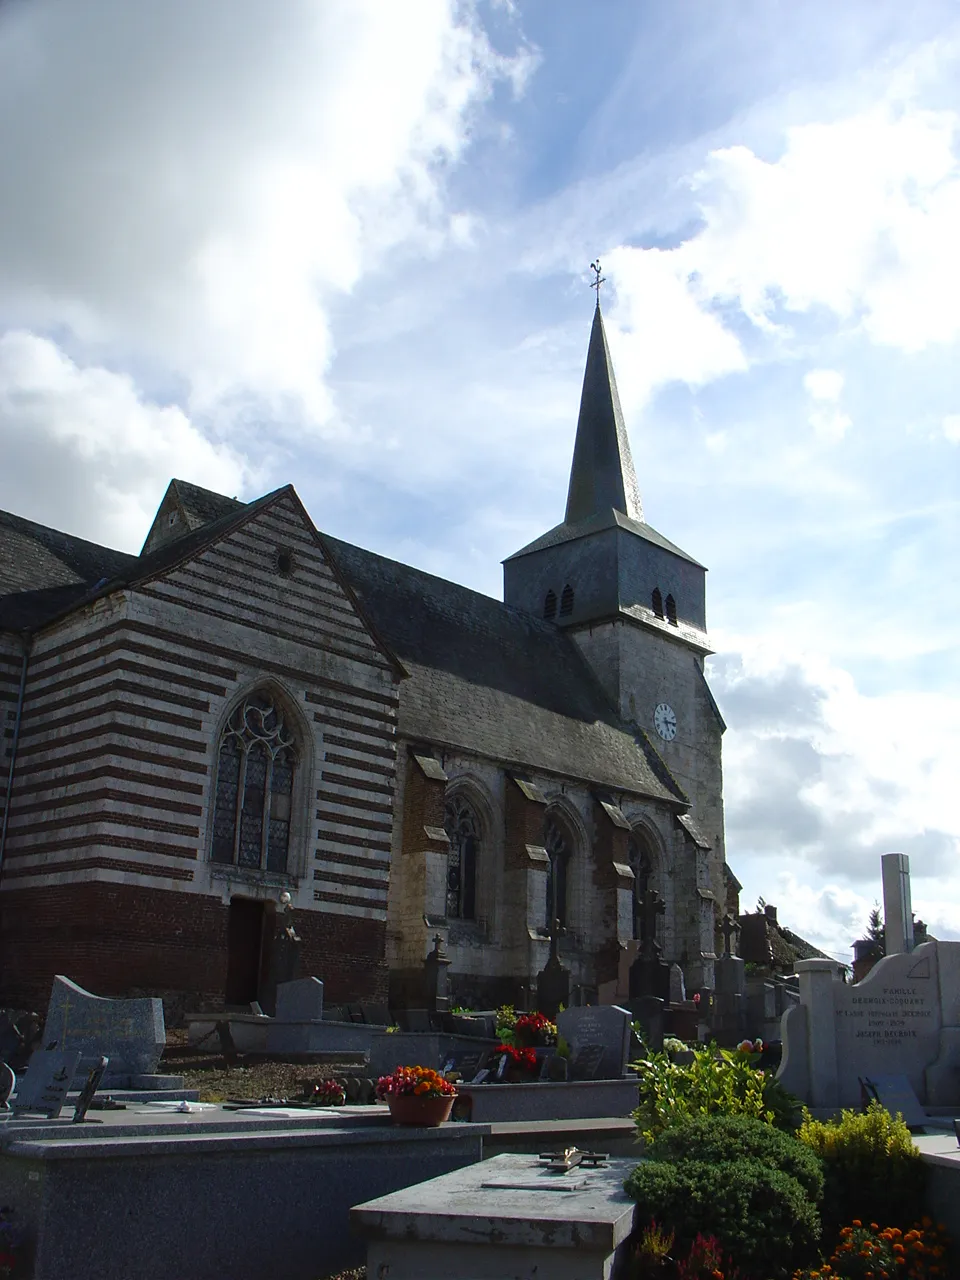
(604,520)
(202,506)
(43,571)
(483,677)
(494,681)
(602,477)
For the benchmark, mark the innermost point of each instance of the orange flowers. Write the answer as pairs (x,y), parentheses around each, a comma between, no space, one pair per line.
(417,1081)
(867,1253)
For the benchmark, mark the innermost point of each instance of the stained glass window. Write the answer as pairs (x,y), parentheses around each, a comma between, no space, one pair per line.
(463,827)
(557,844)
(255,771)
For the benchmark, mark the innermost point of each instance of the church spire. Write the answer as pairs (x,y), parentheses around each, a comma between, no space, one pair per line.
(602,475)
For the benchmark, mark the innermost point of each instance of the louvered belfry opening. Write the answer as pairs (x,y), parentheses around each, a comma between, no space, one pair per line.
(550,606)
(671,608)
(657,601)
(566,601)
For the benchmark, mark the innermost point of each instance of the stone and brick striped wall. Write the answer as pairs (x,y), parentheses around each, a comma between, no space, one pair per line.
(124,706)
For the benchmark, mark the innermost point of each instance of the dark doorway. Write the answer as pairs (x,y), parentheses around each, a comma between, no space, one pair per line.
(244,945)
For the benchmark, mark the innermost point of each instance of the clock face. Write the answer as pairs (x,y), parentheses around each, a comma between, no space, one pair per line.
(665,722)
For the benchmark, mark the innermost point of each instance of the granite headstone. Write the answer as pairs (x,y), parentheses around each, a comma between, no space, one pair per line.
(603,1024)
(130,1032)
(43,1088)
(300,1000)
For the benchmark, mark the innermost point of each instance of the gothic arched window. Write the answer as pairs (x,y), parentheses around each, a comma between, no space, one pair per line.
(671,610)
(254,788)
(550,605)
(463,827)
(657,599)
(557,842)
(645,878)
(566,601)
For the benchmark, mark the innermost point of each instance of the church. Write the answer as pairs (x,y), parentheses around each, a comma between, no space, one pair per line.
(251,708)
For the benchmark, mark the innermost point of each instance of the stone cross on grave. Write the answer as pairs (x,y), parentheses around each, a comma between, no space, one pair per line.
(729,928)
(556,932)
(651,906)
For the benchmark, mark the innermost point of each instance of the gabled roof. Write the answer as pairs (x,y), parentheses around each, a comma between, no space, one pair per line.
(494,681)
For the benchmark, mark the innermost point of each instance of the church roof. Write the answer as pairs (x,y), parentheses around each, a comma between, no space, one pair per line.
(603,492)
(494,681)
(601,475)
(604,520)
(484,678)
(44,571)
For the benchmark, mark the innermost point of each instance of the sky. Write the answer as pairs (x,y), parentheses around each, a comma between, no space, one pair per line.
(346,243)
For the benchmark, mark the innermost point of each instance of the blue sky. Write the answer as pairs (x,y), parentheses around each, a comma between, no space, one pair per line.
(351,251)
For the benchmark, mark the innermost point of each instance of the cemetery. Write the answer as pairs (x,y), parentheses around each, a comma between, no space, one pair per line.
(570,1141)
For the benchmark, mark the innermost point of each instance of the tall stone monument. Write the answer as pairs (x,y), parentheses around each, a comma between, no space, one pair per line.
(897,911)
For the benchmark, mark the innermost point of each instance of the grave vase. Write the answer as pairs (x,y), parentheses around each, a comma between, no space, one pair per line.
(422,1110)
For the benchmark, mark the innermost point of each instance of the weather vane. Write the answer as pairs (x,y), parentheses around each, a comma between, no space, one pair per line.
(595,267)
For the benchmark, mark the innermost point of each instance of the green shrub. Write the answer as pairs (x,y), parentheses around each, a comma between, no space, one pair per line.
(715,1139)
(762,1217)
(872,1170)
(717,1082)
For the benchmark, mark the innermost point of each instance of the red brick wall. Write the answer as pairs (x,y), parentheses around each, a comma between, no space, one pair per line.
(119,940)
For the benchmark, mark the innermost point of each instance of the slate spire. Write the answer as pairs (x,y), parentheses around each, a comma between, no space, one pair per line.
(602,475)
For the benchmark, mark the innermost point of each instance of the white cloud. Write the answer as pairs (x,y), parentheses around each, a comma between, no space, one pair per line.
(822,778)
(823,384)
(824,387)
(951,427)
(659,330)
(194,182)
(102,452)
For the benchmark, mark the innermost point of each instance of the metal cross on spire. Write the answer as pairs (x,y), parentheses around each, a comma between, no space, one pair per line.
(599,279)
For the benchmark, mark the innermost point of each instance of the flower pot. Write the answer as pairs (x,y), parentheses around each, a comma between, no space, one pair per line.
(420,1109)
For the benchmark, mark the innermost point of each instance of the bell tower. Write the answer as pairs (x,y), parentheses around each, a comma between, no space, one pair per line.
(635,604)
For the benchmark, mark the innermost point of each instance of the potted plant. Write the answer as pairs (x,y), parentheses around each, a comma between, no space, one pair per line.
(417,1096)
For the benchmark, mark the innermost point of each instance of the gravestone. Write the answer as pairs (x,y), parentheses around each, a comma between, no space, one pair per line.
(376,1015)
(604,1024)
(729,1024)
(300,1000)
(130,1032)
(43,1088)
(89,1089)
(903,1018)
(678,990)
(436,982)
(553,980)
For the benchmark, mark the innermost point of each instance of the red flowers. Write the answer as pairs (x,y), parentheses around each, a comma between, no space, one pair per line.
(525,1059)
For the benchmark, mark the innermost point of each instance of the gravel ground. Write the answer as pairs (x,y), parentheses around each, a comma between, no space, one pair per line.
(251,1076)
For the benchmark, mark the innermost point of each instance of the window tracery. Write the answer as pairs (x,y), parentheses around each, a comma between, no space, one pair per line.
(462,825)
(256,764)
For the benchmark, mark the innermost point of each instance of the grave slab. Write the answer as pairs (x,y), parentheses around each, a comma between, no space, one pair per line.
(546,1100)
(508,1216)
(300,1001)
